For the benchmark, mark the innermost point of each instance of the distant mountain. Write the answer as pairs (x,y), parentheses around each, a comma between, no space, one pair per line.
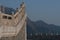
(41,27)
(7,10)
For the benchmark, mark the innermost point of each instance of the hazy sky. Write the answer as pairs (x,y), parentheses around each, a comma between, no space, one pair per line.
(46,10)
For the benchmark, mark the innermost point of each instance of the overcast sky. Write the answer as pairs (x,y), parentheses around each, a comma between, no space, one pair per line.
(46,10)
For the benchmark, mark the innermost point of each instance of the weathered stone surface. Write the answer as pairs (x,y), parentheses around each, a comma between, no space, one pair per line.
(19,36)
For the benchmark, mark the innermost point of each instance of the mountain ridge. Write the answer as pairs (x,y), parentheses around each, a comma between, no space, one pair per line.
(41,27)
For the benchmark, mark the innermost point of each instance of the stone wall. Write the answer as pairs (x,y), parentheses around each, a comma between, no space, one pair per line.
(20,36)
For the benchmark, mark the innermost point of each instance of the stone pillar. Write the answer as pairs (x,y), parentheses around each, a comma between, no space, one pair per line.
(1,7)
(12,19)
(16,9)
(0,17)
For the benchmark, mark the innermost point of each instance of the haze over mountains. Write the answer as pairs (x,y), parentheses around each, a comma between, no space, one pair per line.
(41,27)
